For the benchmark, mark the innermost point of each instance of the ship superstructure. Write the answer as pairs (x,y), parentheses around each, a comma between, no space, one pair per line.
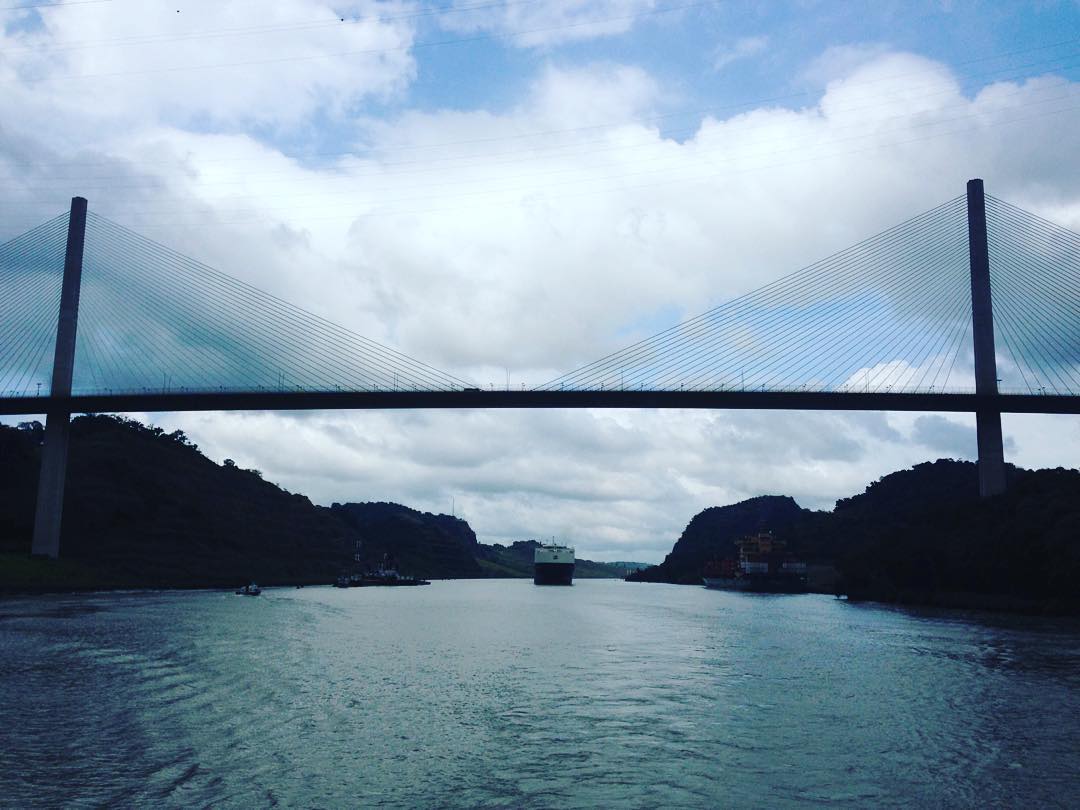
(763,564)
(553,564)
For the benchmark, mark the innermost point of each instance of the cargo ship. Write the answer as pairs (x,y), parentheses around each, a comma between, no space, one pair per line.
(553,565)
(386,574)
(763,565)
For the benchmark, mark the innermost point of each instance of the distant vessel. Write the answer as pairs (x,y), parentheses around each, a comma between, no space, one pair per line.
(377,577)
(385,575)
(763,565)
(249,590)
(553,565)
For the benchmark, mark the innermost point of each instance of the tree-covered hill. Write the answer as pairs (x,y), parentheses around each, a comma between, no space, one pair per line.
(516,560)
(144,508)
(921,535)
(711,534)
(423,544)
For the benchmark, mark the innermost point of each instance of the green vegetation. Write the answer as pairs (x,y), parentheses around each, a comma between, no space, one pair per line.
(920,536)
(712,533)
(924,536)
(516,560)
(144,508)
(27,574)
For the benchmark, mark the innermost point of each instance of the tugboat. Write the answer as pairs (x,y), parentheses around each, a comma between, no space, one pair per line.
(764,565)
(249,590)
(553,565)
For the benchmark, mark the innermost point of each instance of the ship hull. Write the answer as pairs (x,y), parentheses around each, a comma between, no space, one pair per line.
(376,581)
(553,573)
(758,584)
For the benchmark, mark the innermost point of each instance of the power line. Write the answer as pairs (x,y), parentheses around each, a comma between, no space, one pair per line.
(545,136)
(59,3)
(333,22)
(378,208)
(375,51)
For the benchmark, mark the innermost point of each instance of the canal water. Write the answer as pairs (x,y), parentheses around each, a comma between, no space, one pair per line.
(498,693)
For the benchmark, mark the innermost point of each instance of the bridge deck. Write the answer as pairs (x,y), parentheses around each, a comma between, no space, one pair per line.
(399,400)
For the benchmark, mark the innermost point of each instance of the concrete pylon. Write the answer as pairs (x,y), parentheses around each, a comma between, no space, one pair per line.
(987,420)
(50,500)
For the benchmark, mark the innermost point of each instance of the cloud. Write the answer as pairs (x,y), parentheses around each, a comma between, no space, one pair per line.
(533,239)
(743,48)
(208,64)
(609,481)
(841,62)
(945,436)
(533,25)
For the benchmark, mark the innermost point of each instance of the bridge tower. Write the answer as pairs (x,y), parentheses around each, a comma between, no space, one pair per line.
(987,419)
(54,452)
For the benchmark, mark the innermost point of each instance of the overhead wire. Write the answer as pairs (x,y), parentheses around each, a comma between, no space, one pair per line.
(892,287)
(596,170)
(248,333)
(31,267)
(376,51)
(774,289)
(546,136)
(1037,264)
(1043,355)
(890,308)
(265,302)
(332,22)
(817,282)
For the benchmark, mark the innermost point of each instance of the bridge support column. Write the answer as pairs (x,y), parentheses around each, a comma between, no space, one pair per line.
(987,421)
(50,500)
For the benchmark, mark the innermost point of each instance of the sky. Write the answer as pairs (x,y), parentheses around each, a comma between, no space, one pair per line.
(510,190)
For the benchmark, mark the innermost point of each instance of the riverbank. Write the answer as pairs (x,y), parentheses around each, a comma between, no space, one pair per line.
(24,574)
(969,600)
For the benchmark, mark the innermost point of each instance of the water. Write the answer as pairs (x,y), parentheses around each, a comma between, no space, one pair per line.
(503,694)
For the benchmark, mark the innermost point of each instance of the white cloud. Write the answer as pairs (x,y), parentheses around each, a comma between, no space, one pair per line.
(839,62)
(539,238)
(610,481)
(742,48)
(550,22)
(210,63)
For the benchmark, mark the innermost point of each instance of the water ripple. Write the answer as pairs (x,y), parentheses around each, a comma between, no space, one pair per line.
(497,694)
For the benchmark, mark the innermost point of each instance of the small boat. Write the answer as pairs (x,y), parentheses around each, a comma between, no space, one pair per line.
(249,590)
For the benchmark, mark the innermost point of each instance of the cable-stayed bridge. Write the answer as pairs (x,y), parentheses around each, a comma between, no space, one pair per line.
(94,317)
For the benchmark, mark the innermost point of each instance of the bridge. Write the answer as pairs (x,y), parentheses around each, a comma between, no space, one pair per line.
(904,320)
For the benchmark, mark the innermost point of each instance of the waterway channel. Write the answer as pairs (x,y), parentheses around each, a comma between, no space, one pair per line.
(498,693)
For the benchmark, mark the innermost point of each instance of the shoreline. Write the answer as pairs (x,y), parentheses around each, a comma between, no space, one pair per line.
(959,601)
(944,600)
(22,574)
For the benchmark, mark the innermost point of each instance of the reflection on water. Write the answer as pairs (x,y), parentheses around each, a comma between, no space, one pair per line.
(502,694)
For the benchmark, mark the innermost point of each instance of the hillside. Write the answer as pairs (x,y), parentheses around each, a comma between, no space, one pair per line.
(144,508)
(424,544)
(920,535)
(712,533)
(516,560)
(924,535)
